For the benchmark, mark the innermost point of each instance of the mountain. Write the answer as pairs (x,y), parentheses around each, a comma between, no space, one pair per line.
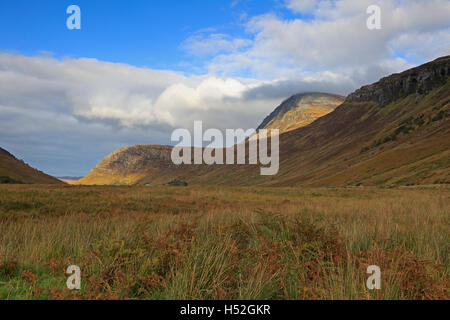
(131,164)
(393,132)
(13,170)
(300,110)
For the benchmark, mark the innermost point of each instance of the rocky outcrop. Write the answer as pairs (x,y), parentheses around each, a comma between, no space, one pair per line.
(129,164)
(135,158)
(419,80)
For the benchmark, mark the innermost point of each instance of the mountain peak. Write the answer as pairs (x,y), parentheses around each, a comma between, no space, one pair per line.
(300,110)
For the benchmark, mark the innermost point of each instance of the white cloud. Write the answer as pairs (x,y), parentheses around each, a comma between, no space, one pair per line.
(432,44)
(119,94)
(336,36)
(303,6)
(211,44)
(124,95)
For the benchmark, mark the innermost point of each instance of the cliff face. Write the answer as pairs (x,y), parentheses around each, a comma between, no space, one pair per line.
(419,80)
(300,110)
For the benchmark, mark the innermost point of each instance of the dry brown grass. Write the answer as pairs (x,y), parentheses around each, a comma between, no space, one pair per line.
(223,242)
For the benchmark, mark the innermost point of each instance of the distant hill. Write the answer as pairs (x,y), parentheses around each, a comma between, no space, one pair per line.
(300,110)
(69,179)
(393,132)
(129,165)
(13,170)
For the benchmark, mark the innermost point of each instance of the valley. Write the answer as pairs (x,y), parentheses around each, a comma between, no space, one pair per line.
(393,132)
(365,184)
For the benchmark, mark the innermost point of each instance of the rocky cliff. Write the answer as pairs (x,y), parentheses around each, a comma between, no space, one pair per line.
(419,80)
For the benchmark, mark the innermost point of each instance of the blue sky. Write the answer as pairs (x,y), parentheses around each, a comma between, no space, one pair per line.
(144,33)
(139,69)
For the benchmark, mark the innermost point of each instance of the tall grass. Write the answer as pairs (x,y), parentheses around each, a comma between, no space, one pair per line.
(223,243)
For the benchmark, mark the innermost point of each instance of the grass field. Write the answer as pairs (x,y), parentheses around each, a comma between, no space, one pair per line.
(223,242)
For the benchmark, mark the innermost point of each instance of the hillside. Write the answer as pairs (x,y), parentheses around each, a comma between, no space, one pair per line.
(129,165)
(393,132)
(13,170)
(300,110)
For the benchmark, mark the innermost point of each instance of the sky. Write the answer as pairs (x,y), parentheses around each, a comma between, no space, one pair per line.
(137,70)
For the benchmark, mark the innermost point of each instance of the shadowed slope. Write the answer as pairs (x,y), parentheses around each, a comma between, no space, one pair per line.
(13,170)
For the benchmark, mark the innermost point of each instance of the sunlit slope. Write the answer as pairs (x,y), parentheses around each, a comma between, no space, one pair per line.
(129,165)
(300,110)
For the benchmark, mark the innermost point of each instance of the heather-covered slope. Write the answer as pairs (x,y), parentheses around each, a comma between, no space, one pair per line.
(396,131)
(13,170)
